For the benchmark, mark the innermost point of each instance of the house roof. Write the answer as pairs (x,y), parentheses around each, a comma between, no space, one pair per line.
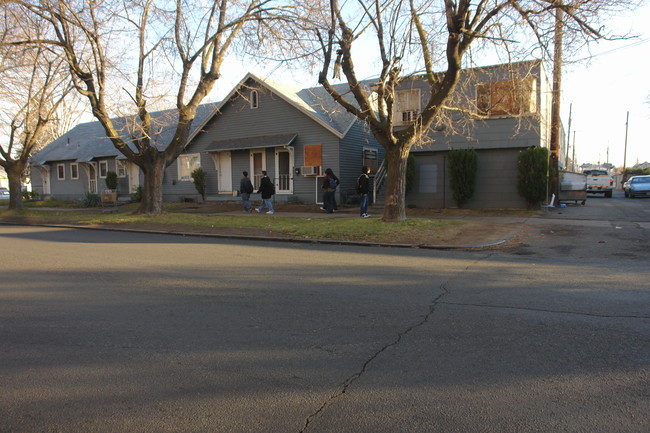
(252,142)
(87,141)
(314,102)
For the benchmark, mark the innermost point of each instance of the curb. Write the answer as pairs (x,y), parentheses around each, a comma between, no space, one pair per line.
(272,239)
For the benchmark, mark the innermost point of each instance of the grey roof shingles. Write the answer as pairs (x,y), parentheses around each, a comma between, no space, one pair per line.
(88,141)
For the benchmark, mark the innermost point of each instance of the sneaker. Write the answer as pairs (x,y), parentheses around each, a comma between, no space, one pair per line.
(322,208)
(365,215)
(270,212)
(257,210)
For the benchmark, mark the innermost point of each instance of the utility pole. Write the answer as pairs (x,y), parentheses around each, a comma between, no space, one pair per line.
(627,120)
(555,103)
(573,158)
(568,140)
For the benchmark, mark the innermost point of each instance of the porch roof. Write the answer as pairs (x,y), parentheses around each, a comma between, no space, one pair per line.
(252,142)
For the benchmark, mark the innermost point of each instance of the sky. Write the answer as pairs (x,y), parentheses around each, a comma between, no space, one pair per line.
(599,90)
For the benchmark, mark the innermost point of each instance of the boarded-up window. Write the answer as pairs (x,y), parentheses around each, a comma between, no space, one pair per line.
(428,178)
(407,106)
(313,155)
(507,98)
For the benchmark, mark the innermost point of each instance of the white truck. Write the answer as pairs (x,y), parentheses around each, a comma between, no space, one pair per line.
(599,182)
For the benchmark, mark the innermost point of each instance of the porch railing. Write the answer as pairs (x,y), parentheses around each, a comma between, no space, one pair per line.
(378,180)
(284,182)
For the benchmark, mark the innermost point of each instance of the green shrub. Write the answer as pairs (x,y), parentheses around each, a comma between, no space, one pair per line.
(136,196)
(533,175)
(91,200)
(30,195)
(198,176)
(111,180)
(463,164)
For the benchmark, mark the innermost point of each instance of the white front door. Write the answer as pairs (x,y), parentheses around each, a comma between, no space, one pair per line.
(134,176)
(284,170)
(257,164)
(224,172)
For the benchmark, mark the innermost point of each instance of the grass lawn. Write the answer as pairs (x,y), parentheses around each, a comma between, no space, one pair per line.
(430,227)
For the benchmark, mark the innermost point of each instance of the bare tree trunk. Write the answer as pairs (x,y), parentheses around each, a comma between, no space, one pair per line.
(14,174)
(152,194)
(394,204)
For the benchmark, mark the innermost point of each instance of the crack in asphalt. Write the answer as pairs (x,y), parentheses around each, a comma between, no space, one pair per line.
(353,378)
(543,310)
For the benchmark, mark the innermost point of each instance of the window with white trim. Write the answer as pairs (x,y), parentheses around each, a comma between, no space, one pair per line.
(60,171)
(74,171)
(507,98)
(254,99)
(120,167)
(407,106)
(187,164)
(103,169)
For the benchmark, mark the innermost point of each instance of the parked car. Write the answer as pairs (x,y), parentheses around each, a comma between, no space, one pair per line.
(636,186)
(4,194)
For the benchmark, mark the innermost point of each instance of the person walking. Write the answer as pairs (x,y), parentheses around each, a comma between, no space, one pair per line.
(363,189)
(337,181)
(246,189)
(329,188)
(267,190)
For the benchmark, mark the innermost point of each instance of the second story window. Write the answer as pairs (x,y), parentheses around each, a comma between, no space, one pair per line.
(254,99)
(407,106)
(507,98)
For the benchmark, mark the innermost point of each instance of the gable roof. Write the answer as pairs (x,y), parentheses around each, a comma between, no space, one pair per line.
(87,141)
(314,102)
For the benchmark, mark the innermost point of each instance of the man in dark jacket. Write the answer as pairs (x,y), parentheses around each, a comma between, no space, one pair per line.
(267,190)
(363,188)
(245,189)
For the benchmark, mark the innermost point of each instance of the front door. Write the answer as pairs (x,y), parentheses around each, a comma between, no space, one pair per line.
(92,178)
(134,176)
(283,170)
(257,165)
(224,172)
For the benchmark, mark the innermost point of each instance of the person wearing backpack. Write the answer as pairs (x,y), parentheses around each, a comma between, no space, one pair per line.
(246,189)
(363,189)
(267,189)
(336,183)
(329,189)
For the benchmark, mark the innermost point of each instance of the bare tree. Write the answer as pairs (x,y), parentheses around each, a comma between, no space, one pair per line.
(33,84)
(147,50)
(418,35)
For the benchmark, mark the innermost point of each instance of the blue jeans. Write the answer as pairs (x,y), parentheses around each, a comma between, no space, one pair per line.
(329,202)
(246,198)
(363,204)
(266,202)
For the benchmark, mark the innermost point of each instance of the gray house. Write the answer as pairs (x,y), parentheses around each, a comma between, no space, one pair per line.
(77,162)
(295,134)
(500,110)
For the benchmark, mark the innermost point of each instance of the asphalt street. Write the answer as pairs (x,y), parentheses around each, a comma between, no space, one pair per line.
(131,332)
